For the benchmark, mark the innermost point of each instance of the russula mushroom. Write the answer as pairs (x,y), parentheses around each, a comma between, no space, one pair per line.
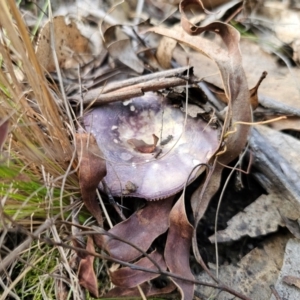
(149,149)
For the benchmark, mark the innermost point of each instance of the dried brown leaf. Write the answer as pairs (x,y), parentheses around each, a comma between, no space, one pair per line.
(177,250)
(164,52)
(86,274)
(92,169)
(140,229)
(253,92)
(123,51)
(119,46)
(128,277)
(69,44)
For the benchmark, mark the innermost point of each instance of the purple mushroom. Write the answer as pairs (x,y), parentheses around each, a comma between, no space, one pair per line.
(150,146)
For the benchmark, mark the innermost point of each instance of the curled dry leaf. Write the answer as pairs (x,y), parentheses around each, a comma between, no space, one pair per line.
(122,50)
(71,47)
(128,277)
(177,250)
(86,274)
(219,93)
(140,229)
(164,51)
(92,169)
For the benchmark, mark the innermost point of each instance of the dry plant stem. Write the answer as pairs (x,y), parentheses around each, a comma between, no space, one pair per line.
(104,209)
(99,230)
(36,236)
(102,232)
(235,13)
(16,252)
(11,294)
(8,289)
(135,267)
(31,236)
(36,78)
(137,87)
(132,266)
(112,201)
(275,293)
(153,76)
(137,90)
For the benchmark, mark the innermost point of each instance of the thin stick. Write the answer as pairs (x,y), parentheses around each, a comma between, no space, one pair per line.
(104,210)
(275,293)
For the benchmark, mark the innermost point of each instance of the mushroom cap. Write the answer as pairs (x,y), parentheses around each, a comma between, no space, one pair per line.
(121,127)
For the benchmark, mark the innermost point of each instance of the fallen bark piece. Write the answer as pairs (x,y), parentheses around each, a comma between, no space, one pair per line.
(276,163)
(259,218)
(290,268)
(293,226)
(253,275)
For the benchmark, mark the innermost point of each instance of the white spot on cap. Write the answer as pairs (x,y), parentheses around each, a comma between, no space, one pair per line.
(132,108)
(116,141)
(125,156)
(196,162)
(114,127)
(125,103)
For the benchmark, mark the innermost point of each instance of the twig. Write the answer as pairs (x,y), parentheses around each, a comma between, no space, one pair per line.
(274,292)
(135,80)
(135,87)
(16,252)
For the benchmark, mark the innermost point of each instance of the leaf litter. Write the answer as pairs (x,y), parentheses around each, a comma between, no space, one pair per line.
(165,217)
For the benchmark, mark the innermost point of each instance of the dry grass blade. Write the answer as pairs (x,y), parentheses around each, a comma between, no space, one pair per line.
(29,103)
(37,168)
